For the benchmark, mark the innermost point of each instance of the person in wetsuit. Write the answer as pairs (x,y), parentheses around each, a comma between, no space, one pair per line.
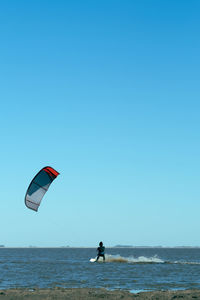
(101,251)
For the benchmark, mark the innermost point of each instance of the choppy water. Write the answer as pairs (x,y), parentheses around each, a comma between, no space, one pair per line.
(125,268)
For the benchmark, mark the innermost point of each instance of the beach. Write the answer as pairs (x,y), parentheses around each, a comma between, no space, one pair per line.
(92,294)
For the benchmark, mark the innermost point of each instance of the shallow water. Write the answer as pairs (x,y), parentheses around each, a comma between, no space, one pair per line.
(125,268)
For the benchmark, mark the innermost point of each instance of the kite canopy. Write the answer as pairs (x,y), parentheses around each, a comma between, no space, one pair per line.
(39,186)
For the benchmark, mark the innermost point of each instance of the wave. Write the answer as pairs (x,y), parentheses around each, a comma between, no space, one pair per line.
(131,259)
(185,262)
(141,260)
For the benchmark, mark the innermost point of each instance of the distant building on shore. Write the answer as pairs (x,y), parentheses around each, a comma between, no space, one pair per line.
(130,246)
(123,246)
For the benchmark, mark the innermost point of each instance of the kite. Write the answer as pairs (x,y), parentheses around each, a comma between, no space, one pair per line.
(39,186)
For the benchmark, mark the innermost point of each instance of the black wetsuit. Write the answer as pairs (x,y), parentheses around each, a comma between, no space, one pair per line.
(101,251)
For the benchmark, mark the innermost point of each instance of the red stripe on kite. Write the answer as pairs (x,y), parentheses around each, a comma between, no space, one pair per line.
(51,171)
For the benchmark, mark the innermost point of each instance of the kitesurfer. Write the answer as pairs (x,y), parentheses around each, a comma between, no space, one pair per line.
(101,251)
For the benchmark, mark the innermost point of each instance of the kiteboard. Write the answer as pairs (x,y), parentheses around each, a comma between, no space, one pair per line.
(100,260)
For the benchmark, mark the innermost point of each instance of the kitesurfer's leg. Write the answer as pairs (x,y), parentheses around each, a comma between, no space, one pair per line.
(103,257)
(97,258)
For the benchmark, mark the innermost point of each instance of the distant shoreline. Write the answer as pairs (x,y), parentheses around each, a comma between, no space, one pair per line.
(108,247)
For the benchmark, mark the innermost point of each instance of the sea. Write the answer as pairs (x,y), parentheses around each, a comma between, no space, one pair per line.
(132,269)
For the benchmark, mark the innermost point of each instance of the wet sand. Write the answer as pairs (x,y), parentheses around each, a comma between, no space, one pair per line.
(92,294)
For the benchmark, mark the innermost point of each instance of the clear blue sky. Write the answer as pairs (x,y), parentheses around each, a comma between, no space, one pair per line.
(108,94)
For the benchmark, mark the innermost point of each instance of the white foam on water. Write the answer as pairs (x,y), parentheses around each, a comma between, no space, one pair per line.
(130,259)
(187,262)
(139,291)
(140,260)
